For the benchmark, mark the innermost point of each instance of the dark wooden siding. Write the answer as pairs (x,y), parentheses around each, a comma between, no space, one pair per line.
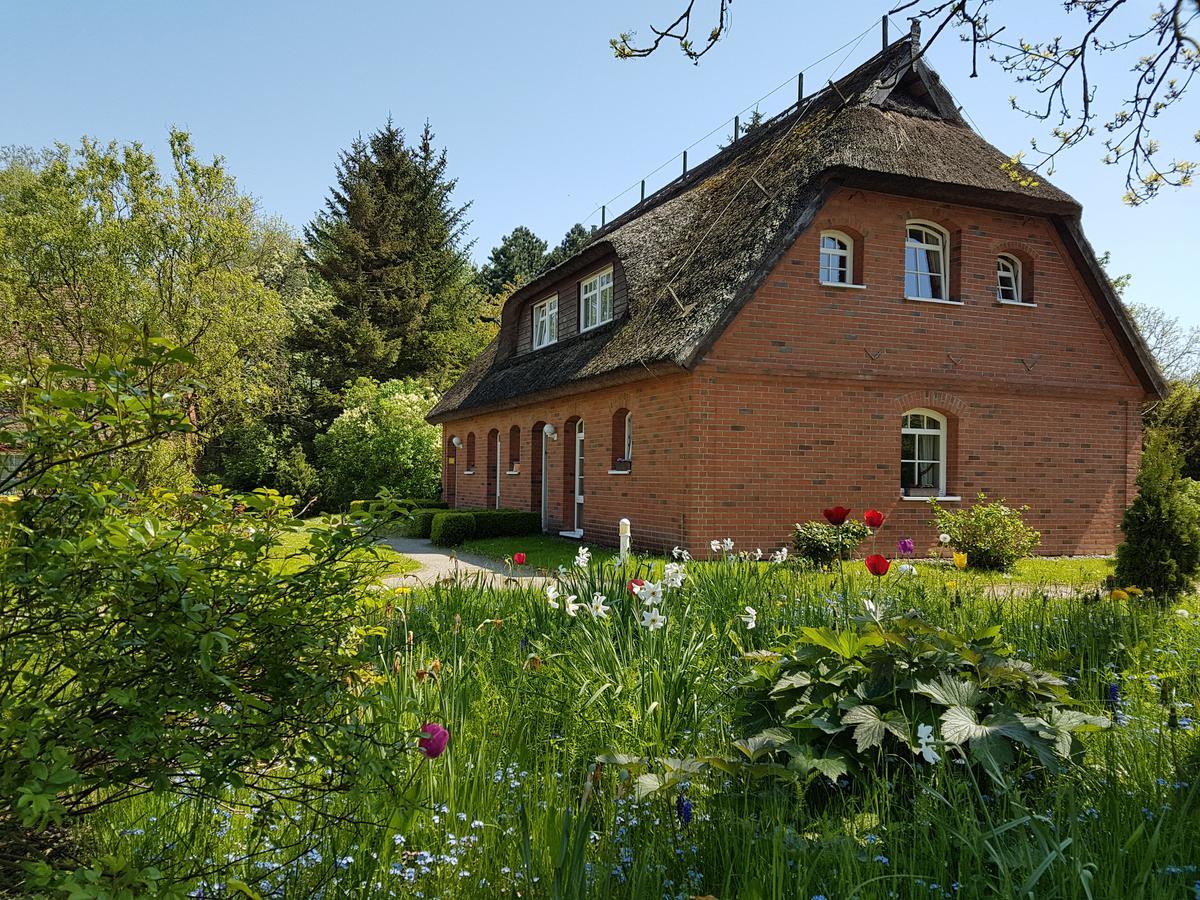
(568,304)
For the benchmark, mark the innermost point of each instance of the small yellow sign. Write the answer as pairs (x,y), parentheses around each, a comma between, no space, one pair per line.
(451,461)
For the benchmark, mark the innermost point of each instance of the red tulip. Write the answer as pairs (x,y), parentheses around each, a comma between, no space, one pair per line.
(434,739)
(877,565)
(519,559)
(874,518)
(635,584)
(836,515)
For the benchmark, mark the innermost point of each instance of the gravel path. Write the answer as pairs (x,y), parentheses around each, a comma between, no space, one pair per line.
(438,563)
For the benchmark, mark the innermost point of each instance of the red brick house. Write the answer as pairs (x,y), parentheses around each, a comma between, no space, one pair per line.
(856,304)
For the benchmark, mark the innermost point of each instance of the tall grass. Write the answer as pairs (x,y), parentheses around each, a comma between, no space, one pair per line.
(519,807)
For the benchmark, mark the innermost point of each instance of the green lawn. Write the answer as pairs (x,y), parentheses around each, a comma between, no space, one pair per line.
(291,554)
(543,551)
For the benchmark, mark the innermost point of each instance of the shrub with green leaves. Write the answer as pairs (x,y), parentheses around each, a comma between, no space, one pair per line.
(820,543)
(147,641)
(296,476)
(900,691)
(1161,550)
(449,529)
(380,442)
(993,535)
(420,522)
(506,523)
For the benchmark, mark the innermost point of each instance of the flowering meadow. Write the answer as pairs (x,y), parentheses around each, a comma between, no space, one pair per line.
(606,732)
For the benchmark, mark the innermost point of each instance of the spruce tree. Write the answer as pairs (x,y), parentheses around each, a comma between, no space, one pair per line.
(573,241)
(389,247)
(518,259)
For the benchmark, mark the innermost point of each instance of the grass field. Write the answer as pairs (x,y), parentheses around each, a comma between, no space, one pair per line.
(291,553)
(518,806)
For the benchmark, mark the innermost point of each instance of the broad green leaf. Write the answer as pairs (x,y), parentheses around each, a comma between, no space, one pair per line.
(948,691)
(868,726)
(765,742)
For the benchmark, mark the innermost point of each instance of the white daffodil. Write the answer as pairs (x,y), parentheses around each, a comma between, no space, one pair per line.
(716,546)
(925,742)
(1183,614)
(944,538)
(552,596)
(650,593)
(750,619)
(597,607)
(758,553)
(680,553)
(572,605)
(653,619)
(673,575)
(728,545)
(906,569)
(562,571)
(583,557)
(780,555)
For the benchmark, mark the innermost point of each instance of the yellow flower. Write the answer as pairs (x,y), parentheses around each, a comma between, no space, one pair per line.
(1134,591)
(951,585)
(9,498)
(1118,595)
(402,589)
(960,560)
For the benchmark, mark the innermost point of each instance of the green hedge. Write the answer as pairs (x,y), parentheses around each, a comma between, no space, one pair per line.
(449,529)
(506,523)
(420,522)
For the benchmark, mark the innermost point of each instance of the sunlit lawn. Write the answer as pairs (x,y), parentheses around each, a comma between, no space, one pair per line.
(291,554)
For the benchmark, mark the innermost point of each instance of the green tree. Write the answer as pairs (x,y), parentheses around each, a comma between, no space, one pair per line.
(390,249)
(99,248)
(1161,550)
(380,442)
(576,238)
(520,256)
(1178,419)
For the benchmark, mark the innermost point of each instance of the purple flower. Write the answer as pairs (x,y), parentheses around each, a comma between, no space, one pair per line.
(906,547)
(683,809)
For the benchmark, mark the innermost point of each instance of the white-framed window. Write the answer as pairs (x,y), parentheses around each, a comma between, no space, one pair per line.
(545,322)
(629,435)
(837,258)
(926,261)
(596,300)
(1008,279)
(922,454)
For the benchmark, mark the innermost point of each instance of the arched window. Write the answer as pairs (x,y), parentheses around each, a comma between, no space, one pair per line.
(837,258)
(470,453)
(926,261)
(1008,279)
(622,440)
(514,448)
(923,454)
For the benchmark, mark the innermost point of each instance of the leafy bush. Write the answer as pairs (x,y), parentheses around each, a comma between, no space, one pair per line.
(901,690)
(819,542)
(148,642)
(506,523)
(449,529)
(993,535)
(420,522)
(1161,550)
(380,442)
(243,456)
(296,476)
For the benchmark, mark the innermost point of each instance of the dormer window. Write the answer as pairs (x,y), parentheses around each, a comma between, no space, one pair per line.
(1008,279)
(545,322)
(837,258)
(596,300)
(926,261)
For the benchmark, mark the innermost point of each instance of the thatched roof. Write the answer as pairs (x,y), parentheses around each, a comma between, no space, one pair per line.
(709,238)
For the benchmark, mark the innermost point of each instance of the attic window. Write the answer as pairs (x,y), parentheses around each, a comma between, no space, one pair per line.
(837,258)
(596,300)
(925,261)
(1008,279)
(545,322)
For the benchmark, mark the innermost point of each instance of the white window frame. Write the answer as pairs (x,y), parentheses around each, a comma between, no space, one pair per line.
(845,252)
(943,250)
(942,433)
(548,311)
(629,436)
(592,295)
(1014,273)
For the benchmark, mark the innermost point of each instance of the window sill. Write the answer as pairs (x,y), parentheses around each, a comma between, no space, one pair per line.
(840,284)
(577,533)
(513,472)
(946,499)
(1016,303)
(933,300)
(468,471)
(594,327)
(619,471)
(545,345)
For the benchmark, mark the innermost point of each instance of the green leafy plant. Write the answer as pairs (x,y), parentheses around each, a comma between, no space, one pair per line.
(1161,550)
(993,535)
(420,522)
(899,690)
(506,523)
(296,476)
(449,529)
(820,543)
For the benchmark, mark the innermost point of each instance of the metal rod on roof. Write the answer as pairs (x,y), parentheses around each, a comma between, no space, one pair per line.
(737,129)
(684,162)
(885,31)
(643,200)
(799,88)
(603,216)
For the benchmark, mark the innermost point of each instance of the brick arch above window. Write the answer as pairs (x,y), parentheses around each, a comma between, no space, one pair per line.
(939,401)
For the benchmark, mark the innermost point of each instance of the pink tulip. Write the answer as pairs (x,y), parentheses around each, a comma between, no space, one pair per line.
(434,739)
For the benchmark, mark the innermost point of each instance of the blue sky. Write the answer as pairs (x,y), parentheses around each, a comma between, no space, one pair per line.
(542,124)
